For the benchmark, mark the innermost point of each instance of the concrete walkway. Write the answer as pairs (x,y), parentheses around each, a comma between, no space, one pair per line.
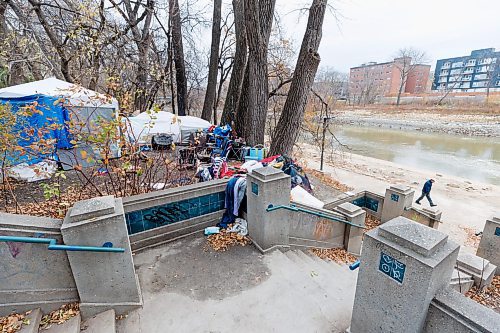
(187,288)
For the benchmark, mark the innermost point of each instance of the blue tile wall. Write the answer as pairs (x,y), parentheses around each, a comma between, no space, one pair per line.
(391,267)
(154,217)
(394,197)
(497,231)
(366,202)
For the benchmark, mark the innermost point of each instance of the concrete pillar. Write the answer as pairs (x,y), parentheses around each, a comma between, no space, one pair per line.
(353,237)
(268,186)
(403,265)
(397,199)
(434,216)
(104,280)
(489,247)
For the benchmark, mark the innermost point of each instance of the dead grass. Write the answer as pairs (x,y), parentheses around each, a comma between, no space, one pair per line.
(339,255)
(328,180)
(472,240)
(489,297)
(224,240)
(371,222)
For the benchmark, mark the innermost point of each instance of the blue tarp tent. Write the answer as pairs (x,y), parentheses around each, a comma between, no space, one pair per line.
(49,121)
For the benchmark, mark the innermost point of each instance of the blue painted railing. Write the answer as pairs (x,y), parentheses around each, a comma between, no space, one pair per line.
(294,208)
(107,247)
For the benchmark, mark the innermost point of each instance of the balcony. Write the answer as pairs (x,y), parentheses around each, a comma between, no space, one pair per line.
(469,71)
(444,73)
(457,64)
(446,65)
(443,79)
(467,78)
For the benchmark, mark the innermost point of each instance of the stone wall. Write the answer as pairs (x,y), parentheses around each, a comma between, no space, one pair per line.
(451,312)
(162,216)
(30,273)
(428,217)
(371,202)
(308,230)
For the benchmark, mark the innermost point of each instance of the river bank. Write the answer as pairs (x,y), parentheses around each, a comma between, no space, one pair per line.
(465,204)
(484,123)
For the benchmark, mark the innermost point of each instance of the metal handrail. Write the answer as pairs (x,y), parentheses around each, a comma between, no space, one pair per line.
(107,247)
(294,208)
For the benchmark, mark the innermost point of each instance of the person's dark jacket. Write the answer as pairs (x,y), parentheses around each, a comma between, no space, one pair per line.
(427,187)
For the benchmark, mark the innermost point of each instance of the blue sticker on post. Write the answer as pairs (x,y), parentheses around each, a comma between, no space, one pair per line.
(391,267)
(497,231)
(255,189)
(394,197)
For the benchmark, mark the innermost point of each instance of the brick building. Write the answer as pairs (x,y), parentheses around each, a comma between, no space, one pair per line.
(372,80)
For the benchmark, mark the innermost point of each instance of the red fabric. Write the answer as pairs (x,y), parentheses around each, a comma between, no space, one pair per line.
(269,159)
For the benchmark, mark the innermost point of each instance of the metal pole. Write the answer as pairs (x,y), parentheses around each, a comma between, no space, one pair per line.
(325,119)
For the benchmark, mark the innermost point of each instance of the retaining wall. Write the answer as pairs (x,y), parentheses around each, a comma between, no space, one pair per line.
(308,230)
(451,312)
(162,216)
(30,274)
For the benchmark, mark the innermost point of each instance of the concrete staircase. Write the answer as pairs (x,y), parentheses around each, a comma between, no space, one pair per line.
(481,270)
(323,285)
(101,323)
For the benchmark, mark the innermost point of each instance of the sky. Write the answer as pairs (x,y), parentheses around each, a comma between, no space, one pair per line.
(374,30)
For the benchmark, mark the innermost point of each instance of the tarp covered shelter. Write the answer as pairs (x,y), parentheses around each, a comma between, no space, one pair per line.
(142,127)
(47,122)
(82,105)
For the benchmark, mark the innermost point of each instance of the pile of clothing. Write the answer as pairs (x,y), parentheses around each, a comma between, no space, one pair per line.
(235,201)
(217,170)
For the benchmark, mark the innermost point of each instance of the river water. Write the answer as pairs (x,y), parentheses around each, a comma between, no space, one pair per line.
(473,158)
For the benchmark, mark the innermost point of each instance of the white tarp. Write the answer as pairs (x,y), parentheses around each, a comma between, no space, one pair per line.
(299,195)
(142,127)
(75,94)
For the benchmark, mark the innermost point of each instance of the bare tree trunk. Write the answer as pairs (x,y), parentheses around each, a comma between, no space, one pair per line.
(240,63)
(3,25)
(288,127)
(180,67)
(208,104)
(240,115)
(259,19)
(400,90)
(65,59)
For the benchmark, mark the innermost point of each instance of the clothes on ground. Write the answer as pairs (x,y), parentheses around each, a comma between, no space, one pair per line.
(240,226)
(229,217)
(251,165)
(240,189)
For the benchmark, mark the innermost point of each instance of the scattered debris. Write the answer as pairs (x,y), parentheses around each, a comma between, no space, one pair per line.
(224,240)
(328,180)
(14,322)
(371,222)
(473,238)
(59,316)
(339,255)
(489,297)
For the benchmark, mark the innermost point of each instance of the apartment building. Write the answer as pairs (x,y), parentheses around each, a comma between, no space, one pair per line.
(477,72)
(372,80)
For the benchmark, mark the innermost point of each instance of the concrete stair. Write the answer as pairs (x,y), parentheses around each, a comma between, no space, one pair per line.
(323,285)
(461,282)
(101,323)
(481,270)
(104,322)
(32,322)
(70,326)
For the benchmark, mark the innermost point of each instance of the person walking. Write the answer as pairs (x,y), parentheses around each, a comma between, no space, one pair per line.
(426,192)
